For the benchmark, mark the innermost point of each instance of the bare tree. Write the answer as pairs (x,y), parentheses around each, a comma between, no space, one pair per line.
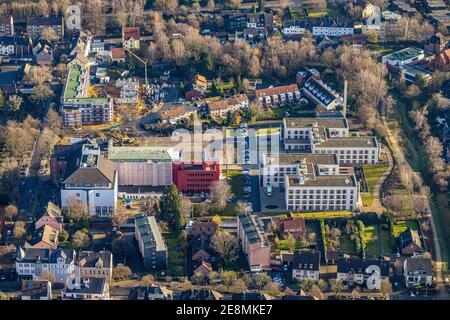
(10,211)
(120,216)
(121,272)
(76,209)
(220,193)
(225,245)
(80,239)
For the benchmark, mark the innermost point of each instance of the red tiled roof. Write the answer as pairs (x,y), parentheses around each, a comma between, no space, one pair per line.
(131,32)
(276,90)
(118,53)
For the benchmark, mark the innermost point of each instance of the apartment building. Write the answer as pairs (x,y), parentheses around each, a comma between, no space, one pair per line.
(418,271)
(150,242)
(142,166)
(278,95)
(220,109)
(95,264)
(17,46)
(31,263)
(86,289)
(253,241)
(6,26)
(77,108)
(329,136)
(306,265)
(36,24)
(332,27)
(93,184)
(172,113)
(275,167)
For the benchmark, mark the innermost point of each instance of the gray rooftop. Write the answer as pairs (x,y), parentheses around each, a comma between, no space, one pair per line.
(312,121)
(149,231)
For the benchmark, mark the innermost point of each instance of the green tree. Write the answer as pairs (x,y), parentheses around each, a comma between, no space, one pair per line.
(171,209)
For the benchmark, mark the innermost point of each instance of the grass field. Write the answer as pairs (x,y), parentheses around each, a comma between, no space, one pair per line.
(175,258)
(347,246)
(234,178)
(373,174)
(378,243)
(403,226)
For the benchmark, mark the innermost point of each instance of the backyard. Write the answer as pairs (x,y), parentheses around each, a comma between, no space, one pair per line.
(176,263)
(373,173)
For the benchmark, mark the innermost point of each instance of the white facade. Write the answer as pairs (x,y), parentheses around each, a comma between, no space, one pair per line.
(332,31)
(300,274)
(294,30)
(6,49)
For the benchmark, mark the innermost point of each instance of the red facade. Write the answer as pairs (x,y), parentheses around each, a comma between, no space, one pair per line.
(195,177)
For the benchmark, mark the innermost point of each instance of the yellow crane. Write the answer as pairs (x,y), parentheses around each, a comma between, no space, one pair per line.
(143,61)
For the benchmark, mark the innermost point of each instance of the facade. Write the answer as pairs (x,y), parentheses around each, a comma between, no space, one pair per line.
(278,95)
(18,46)
(97,45)
(6,26)
(87,289)
(306,265)
(329,136)
(32,263)
(93,184)
(360,271)
(150,242)
(253,241)
(95,264)
(195,176)
(333,27)
(142,166)
(417,271)
(52,217)
(128,90)
(77,108)
(131,38)
(36,24)
(220,109)
(150,293)
(118,55)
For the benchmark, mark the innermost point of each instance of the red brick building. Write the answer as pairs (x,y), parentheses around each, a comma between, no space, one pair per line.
(195,177)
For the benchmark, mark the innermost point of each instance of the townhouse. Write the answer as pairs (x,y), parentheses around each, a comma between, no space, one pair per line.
(253,241)
(150,243)
(278,95)
(77,108)
(43,53)
(220,109)
(359,271)
(329,136)
(92,183)
(35,25)
(332,27)
(141,166)
(321,94)
(6,26)
(170,114)
(306,265)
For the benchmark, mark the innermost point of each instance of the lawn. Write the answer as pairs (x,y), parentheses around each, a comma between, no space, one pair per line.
(267,131)
(347,246)
(229,211)
(373,174)
(371,239)
(403,226)
(234,178)
(175,258)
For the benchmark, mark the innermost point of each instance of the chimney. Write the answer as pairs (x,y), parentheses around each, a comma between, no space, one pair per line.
(344,109)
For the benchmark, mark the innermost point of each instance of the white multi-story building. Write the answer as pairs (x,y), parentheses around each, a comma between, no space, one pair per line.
(32,263)
(329,136)
(93,184)
(306,265)
(128,90)
(359,271)
(333,27)
(275,167)
(418,271)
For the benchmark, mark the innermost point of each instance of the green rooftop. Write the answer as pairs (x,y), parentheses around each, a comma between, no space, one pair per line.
(72,84)
(404,54)
(138,154)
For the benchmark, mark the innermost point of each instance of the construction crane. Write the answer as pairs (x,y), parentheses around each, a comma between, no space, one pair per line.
(144,62)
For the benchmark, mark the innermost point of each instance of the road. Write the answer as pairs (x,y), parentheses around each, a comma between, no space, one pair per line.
(400,159)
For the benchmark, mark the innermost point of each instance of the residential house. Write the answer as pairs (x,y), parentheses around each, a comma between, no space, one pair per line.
(46,237)
(410,242)
(418,271)
(98,45)
(320,94)
(150,293)
(200,294)
(306,265)
(201,255)
(219,109)
(6,26)
(92,183)
(52,217)
(202,227)
(43,53)
(203,268)
(292,225)
(278,95)
(150,242)
(36,24)
(142,166)
(36,290)
(131,37)
(17,46)
(253,241)
(251,296)
(95,264)
(197,89)
(359,271)
(31,263)
(86,289)
(172,113)
(7,263)
(333,27)
(118,55)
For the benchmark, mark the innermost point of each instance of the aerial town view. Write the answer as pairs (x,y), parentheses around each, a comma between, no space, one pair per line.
(231,150)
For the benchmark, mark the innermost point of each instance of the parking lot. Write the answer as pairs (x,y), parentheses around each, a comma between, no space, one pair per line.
(274,202)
